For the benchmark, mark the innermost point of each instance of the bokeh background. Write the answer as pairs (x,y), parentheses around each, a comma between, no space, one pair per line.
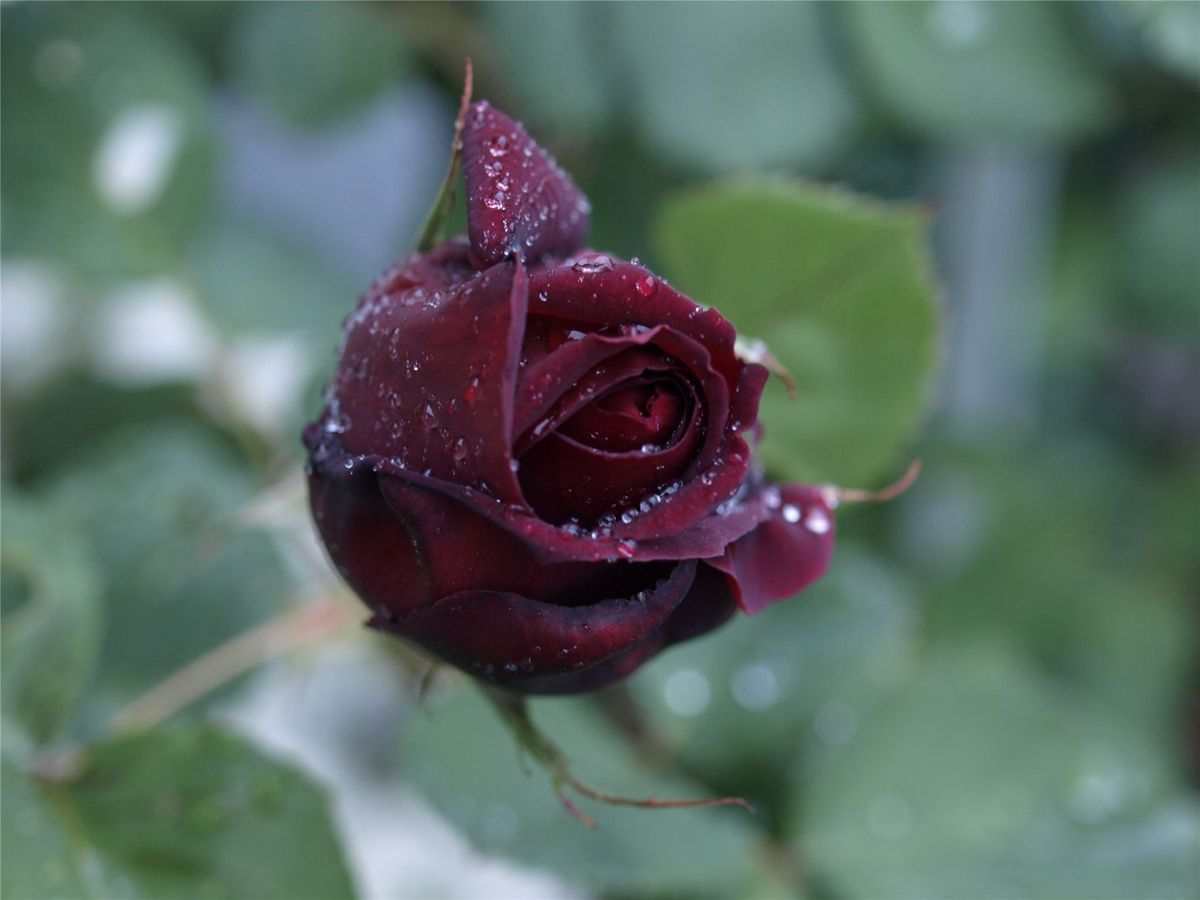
(994,693)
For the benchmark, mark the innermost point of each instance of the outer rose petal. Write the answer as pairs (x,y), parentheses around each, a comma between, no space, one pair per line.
(519,202)
(428,371)
(403,544)
(784,554)
(509,639)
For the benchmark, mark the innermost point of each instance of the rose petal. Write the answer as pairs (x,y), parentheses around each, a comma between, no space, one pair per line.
(707,604)
(519,202)
(705,533)
(648,411)
(784,554)
(627,294)
(513,640)
(564,479)
(428,373)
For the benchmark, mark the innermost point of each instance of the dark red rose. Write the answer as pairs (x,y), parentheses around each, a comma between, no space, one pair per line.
(532,460)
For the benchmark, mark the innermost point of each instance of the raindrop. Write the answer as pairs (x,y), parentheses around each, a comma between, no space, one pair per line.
(835,723)
(626,549)
(459,451)
(817,520)
(890,817)
(687,693)
(645,286)
(754,686)
(958,23)
(428,416)
(791,514)
(598,262)
(471,394)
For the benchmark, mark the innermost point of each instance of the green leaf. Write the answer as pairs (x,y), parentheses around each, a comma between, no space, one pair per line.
(252,282)
(52,634)
(1169,32)
(840,289)
(979,780)
(159,507)
(727,86)
(40,858)
(978,71)
(1157,230)
(1113,626)
(567,82)
(461,756)
(737,706)
(184,812)
(316,63)
(108,149)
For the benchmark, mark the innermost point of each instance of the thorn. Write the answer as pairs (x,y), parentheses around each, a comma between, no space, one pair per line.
(835,496)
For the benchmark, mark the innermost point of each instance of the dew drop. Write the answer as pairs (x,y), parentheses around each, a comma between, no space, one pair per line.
(626,549)
(817,521)
(791,514)
(471,394)
(645,286)
(428,416)
(597,262)
(459,450)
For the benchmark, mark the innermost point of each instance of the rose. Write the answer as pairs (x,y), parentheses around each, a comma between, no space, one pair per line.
(532,461)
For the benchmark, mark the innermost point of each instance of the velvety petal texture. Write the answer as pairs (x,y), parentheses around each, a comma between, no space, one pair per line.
(520,203)
(532,460)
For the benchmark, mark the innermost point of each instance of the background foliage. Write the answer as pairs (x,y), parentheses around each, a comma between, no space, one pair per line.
(993,694)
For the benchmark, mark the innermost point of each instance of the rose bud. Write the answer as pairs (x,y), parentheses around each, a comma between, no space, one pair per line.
(532,459)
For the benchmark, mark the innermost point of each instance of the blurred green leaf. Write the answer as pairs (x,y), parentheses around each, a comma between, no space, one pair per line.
(977,70)
(1100,612)
(841,290)
(184,812)
(464,759)
(51,638)
(316,63)
(40,859)
(1169,31)
(159,508)
(554,54)
(725,86)
(251,281)
(738,706)
(978,780)
(107,149)
(1157,231)
(60,421)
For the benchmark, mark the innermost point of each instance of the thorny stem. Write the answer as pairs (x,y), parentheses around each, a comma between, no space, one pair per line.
(431,231)
(514,711)
(236,656)
(835,496)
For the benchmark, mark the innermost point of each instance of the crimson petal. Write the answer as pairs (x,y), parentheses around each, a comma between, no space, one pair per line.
(511,640)
(428,373)
(784,554)
(519,202)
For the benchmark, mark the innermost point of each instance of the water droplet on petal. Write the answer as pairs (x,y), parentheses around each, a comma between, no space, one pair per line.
(817,520)
(596,262)
(791,514)
(646,286)
(459,450)
(471,394)
(626,549)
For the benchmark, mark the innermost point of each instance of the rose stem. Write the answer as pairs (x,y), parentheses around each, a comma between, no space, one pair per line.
(834,495)
(236,656)
(431,231)
(515,712)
